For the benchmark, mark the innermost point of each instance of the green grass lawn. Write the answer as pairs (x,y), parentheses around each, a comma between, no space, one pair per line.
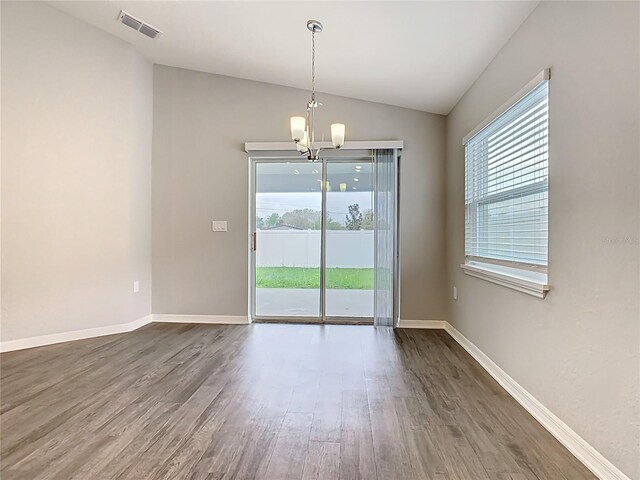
(298,277)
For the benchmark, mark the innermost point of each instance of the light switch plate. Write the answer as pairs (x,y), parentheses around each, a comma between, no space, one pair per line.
(455,293)
(136,286)
(219,225)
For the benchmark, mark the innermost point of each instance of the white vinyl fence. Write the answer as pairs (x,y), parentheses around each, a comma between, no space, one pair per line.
(301,248)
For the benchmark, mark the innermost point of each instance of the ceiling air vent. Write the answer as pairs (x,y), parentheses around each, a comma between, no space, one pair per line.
(139,25)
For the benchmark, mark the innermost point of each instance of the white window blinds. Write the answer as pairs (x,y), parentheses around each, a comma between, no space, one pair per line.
(506,184)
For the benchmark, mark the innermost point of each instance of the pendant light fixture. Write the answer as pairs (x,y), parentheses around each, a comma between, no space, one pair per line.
(303,129)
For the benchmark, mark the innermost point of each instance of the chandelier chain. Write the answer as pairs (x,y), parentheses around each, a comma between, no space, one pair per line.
(313,66)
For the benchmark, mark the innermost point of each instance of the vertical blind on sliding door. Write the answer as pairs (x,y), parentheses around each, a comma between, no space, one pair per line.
(385,237)
(506,184)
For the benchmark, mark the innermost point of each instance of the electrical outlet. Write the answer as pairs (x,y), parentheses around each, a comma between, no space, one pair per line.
(136,286)
(219,225)
(455,293)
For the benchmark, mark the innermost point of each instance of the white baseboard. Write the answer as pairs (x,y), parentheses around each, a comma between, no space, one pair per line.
(210,319)
(41,340)
(30,342)
(582,450)
(437,324)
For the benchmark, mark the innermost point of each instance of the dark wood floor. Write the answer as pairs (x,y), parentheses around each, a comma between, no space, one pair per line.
(266,402)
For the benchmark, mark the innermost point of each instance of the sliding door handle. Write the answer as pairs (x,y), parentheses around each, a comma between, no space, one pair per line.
(254,241)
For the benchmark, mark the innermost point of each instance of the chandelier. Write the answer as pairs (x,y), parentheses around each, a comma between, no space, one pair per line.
(303,129)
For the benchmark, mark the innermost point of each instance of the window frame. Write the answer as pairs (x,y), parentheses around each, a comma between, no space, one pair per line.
(524,277)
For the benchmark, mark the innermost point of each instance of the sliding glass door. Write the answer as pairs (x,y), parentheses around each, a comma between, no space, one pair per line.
(286,243)
(314,235)
(349,259)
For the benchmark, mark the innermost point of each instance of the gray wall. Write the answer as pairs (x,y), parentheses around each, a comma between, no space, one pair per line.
(200,173)
(577,351)
(76,175)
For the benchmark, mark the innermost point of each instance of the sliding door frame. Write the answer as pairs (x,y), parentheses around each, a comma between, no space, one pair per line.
(253,162)
(278,152)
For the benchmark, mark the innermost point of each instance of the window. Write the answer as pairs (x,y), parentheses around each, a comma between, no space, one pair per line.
(506,191)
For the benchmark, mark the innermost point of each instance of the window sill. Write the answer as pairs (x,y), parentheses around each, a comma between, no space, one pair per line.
(532,283)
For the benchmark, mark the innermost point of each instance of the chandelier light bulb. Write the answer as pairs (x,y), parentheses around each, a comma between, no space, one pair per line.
(298,125)
(337,134)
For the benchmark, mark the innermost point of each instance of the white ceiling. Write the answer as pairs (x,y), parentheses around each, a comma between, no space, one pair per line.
(421,55)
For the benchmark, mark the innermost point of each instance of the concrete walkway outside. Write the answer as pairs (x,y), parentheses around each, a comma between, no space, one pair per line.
(306,302)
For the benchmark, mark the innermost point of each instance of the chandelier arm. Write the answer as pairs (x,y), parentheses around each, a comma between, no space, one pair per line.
(312,125)
(308,152)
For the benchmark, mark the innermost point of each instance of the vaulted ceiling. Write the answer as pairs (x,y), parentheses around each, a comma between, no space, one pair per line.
(420,55)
